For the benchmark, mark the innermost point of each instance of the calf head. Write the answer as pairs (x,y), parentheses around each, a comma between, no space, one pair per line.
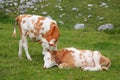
(52,58)
(49,59)
(51,37)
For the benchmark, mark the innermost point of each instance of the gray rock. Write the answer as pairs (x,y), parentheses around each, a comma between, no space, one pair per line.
(29,3)
(34,1)
(62,15)
(61,22)
(79,26)
(1,6)
(1,1)
(44,13)
(22,12)
(21,1)
(90,5)
(22,7)
(59,7)
(35,9)
(59,0)
(74,9)
(100,18)
(105,27)
(7,11)
(103,4)
(49,17)
(15,4)
(32,7)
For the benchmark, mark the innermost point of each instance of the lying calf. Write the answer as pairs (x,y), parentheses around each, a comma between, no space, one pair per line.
(71,57)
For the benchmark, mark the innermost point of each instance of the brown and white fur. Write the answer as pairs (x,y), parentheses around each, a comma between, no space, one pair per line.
(71,57)
(40,29)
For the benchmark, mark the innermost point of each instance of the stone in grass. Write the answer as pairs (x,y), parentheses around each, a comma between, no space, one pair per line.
(44,13)
(105,27)
(79,26)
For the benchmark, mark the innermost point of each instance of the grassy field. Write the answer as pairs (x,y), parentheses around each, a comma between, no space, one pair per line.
(107,42)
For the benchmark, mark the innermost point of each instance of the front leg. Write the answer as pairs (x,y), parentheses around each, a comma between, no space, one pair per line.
(45,46)
(64,65)
(44,51)
(92,69)
(20,49)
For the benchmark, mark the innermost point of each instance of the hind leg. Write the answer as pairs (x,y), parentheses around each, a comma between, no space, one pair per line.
(20,49)
(96,60)
(25,47)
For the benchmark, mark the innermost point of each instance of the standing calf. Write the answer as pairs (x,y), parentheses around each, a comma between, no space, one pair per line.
(70,57)
(40,29)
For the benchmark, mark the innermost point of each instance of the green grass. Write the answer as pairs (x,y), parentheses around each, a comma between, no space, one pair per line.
(107,42)
(11,67)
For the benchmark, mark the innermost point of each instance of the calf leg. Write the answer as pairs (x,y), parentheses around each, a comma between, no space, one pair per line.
(65,65)
(25,47)
(20,49)
(97,66)
(92,68)
(45,46)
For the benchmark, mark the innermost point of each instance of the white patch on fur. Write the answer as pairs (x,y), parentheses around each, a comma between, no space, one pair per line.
(48,62)
(46,25)
(88,61)
(52,41)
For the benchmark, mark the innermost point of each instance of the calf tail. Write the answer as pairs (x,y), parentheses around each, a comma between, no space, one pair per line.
(14,31)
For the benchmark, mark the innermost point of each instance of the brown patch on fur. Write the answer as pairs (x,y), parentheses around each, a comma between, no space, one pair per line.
(36,33)
(64,56)
(53,33)
(38,23)
(84,63)
(37,29)
(32,31)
